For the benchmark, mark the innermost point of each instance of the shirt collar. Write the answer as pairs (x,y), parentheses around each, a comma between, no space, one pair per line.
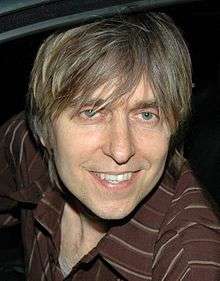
(129,247)
(28,196)
(116,248)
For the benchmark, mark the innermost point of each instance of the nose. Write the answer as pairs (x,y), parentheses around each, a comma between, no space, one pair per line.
(119,141)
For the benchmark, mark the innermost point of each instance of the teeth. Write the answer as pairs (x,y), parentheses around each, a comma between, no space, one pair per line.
(114,178)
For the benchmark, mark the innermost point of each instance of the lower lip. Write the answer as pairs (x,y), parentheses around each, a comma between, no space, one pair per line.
(121,186)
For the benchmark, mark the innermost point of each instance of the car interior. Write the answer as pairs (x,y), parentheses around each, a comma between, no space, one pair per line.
(199,22)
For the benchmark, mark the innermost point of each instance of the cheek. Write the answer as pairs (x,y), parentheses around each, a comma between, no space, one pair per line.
(153,145)
(76,144)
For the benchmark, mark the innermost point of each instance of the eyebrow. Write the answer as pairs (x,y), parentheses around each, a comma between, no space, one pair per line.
(146,104)
(96,103)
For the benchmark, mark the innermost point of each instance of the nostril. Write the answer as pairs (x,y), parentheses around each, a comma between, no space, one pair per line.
(119,144)
(121,153)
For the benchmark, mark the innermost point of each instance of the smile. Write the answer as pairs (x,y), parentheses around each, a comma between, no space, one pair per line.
(115,182)
(114,179)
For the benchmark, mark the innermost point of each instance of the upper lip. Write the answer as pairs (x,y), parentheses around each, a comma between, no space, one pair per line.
(114,172)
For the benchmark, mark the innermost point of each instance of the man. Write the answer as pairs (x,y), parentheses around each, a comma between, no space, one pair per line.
(107,104)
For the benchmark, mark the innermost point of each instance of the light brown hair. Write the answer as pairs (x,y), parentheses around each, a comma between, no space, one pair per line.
(116,52)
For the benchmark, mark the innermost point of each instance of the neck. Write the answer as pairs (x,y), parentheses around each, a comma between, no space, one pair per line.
(89,221)
(80,232)
(92,230)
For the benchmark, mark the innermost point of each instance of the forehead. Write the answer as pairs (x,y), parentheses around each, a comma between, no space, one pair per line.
(143,92)
(103,95)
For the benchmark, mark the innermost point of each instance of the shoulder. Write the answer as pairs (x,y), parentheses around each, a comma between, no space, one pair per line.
(190,203)
(13,132)
(13,124)
(188,244)
(19,149)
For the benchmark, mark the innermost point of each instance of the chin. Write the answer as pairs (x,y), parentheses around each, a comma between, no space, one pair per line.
(116,213)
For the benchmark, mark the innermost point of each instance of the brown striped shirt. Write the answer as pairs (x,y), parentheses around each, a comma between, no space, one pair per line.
(173,235)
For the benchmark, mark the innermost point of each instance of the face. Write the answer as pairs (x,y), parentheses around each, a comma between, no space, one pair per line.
(110,159)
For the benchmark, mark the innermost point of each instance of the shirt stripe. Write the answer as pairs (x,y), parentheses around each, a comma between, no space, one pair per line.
(178,233)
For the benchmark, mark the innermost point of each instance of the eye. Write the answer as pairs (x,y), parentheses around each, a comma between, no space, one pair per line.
(146,115)
(88,113)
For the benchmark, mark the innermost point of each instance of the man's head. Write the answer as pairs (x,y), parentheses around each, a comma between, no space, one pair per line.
(105,99)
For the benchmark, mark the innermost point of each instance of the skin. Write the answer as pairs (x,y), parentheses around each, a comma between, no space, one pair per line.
(129,136)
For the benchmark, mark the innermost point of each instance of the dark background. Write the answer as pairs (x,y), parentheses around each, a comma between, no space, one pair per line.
(200,25)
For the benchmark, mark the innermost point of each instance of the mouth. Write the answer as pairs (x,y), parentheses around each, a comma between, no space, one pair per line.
(115,181)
